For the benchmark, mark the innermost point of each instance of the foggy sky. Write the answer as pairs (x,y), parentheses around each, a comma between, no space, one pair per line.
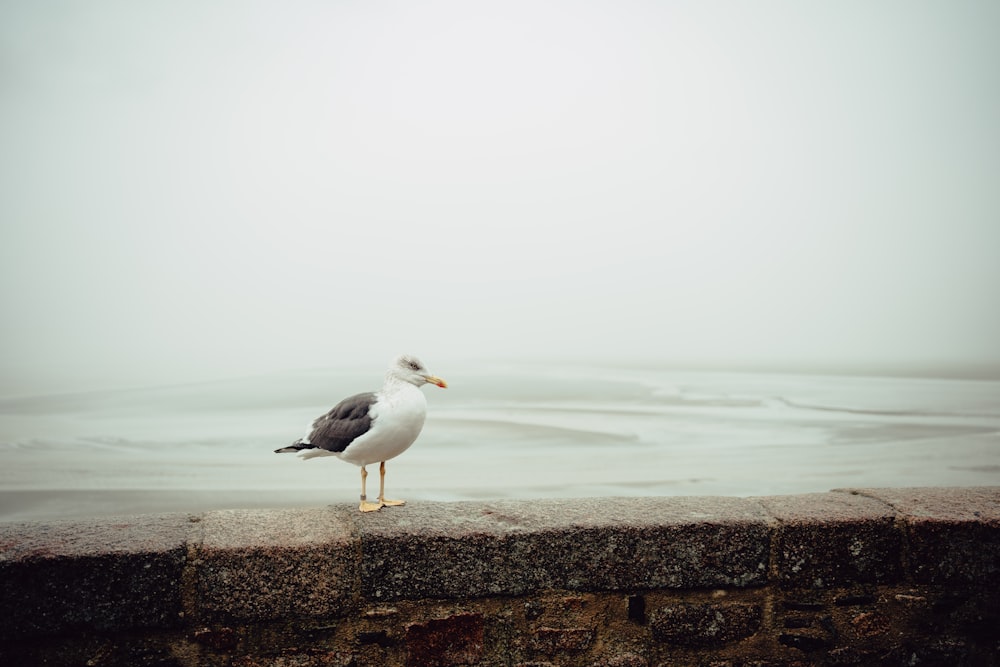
(192,190)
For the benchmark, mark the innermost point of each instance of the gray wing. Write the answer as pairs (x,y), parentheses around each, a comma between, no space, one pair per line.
(346,421)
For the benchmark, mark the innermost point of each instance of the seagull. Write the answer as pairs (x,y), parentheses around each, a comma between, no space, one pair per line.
(374,426)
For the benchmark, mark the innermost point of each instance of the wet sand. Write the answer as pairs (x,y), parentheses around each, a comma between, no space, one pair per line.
(499,433)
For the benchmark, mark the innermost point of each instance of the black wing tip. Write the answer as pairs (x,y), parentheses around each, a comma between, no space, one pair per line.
(294,447)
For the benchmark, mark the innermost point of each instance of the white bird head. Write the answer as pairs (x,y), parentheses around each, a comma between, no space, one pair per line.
(408,368)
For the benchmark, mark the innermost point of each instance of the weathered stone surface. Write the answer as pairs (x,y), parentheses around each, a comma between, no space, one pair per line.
(256,565)
(831,539)
(554,640)
(608,585)
(107,574)
(623,660)
(218,638)
(806,643)
(456,640)
(870,624)
(509,548)
(712,624)
(309,658)
(953,534)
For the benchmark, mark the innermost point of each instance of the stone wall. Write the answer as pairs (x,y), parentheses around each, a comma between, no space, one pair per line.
(854,577)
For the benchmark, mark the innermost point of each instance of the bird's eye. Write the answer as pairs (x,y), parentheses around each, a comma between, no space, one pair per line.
(414,366)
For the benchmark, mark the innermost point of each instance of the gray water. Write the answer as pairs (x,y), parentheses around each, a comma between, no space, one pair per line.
(499,432)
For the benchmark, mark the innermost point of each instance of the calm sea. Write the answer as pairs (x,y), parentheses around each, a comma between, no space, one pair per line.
(499,432)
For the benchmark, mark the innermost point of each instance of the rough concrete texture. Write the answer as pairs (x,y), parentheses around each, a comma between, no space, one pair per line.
(509,548)
(952,534)
(255,565)
(829,539)
(706,624)
(104,574)
(871,576)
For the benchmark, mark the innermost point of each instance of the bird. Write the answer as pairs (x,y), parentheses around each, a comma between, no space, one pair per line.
(373,427)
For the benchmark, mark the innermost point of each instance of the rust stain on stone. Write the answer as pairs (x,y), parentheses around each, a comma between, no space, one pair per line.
(444,642)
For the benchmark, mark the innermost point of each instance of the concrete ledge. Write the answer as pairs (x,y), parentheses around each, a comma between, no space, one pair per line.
(777,560)
(834,539)
(253,565)
(105,574)
(953,535)
(461,550)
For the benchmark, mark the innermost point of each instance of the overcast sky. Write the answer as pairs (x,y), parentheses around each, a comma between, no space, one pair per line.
(202,189)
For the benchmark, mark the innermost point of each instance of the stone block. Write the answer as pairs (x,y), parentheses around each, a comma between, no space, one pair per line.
(708,624)
(623,660)
(554,640)
(455,640)
(115,574)
(256,565)
(870,624)
(834,539)
(218,639)
(807,643)
(437,550)
(953,534)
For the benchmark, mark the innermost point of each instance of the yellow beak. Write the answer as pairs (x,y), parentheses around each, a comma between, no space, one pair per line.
(433,379)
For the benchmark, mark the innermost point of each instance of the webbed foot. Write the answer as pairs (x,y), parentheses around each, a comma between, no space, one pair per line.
(369,507)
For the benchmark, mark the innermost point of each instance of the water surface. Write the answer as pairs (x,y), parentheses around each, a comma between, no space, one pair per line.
(499,432)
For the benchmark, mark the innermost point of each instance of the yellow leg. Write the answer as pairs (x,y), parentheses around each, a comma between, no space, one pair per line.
(381,489)
(367,506)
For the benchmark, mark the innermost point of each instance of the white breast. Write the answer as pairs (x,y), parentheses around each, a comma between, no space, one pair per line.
(397,419)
